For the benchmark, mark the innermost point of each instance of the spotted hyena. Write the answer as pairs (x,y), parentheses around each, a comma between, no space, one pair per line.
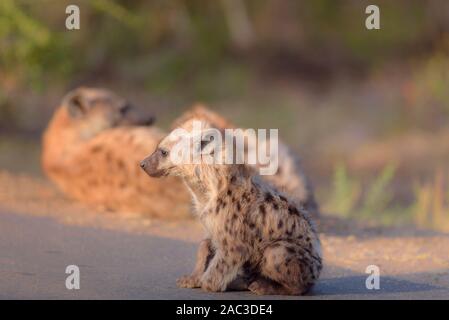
(290,176)
(258,238)
(95,133)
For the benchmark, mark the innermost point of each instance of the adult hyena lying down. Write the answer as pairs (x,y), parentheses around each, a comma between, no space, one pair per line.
(257,236)
(92,149)
(290,176)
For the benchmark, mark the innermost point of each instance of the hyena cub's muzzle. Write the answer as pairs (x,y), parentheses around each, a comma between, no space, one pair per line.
(151,164)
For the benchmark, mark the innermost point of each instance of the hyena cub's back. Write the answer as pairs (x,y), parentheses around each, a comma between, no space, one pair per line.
(285,244)
(290,177)
(92,148)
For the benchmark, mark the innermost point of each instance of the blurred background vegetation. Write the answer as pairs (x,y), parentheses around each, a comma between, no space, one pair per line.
(367,110)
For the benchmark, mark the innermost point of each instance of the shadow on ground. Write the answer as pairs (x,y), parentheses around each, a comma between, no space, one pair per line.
(353,286)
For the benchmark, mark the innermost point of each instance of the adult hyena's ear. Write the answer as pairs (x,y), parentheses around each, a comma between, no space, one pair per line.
(76,104)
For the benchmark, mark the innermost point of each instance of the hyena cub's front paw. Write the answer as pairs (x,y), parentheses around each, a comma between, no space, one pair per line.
(211,285)
(189,281)
(258,288)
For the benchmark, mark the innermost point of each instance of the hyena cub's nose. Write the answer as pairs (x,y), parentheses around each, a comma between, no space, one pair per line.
(142,164)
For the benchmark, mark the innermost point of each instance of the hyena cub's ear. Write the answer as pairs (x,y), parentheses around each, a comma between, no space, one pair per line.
(210,141)
(76,103)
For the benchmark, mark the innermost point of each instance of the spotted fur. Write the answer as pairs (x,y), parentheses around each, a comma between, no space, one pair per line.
(258,238)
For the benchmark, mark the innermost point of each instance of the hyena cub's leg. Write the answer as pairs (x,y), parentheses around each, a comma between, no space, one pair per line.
(203,257)
(286,269)
(222,270)
(245,276)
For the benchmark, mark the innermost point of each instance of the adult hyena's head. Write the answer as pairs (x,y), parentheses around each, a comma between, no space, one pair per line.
(92,110)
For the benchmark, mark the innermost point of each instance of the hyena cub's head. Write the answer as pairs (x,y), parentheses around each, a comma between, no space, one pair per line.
(92,110)
(192,148)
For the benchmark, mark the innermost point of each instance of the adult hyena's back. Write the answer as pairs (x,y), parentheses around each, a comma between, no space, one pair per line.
(104,171)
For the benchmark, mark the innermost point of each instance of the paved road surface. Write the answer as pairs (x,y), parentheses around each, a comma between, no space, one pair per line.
(34,252)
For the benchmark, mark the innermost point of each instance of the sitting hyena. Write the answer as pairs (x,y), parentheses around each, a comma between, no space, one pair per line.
(92,149)
(258,238)
(289,178)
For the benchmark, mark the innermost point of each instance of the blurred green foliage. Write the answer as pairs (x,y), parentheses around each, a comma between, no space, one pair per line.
(431,83)
(28,47)
(374,200)
(186,44)
(351,198)
(208,50)
(431,207)
(377,197)
(345,193)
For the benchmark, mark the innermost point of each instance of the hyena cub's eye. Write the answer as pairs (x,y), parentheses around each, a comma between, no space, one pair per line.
(163,152)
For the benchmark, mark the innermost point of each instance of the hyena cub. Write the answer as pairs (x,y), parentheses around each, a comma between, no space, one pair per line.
(258,238)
